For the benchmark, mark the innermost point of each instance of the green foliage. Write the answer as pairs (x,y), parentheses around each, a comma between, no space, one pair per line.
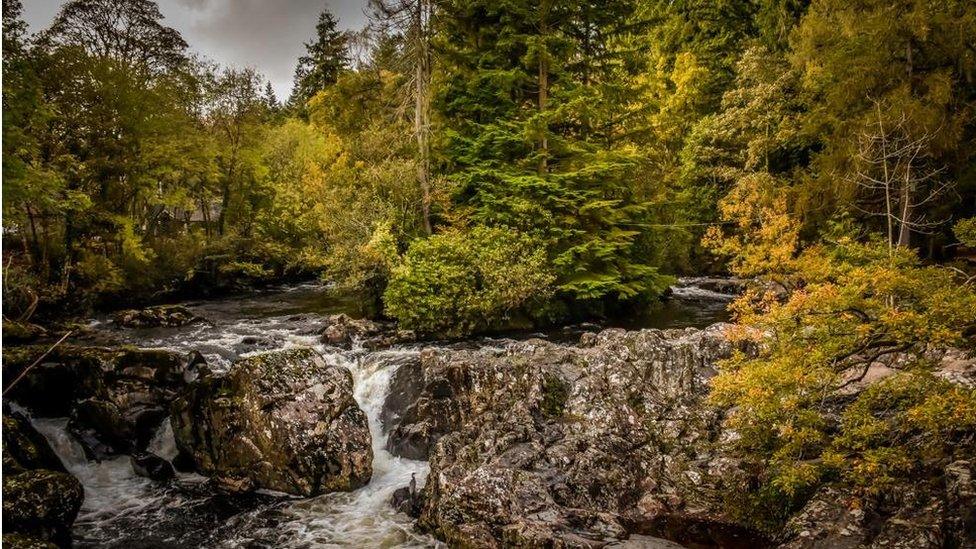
(855,305)
(534,145)
(457,283)
(965,231)
(899,425)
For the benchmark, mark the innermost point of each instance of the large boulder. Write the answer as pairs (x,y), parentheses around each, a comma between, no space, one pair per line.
(541,444)
(116,397)
(341,330)
(165,316)
(40,499)
(283,421)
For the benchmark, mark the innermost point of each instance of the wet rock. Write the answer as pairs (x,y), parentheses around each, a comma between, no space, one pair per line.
(167,316)
(15,332)
(727,286)
(195,366)
(24,448)
(424,404)
(541,444)
(407,500)
(283,421)
(151,466)
(21,541)
(342,331)
(40,499)
(41,503)
(116,397)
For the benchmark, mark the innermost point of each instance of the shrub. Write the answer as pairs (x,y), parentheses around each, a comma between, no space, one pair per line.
(855,305)
(456,283)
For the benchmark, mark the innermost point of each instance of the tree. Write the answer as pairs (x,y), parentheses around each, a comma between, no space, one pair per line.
(236,112)
(857,306)
(914,60)
(529,149)
(325,58)
(413,20)
(128,32)
(454,283)
(895,168)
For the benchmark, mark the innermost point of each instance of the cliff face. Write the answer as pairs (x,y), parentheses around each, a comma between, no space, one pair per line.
(541,444)
(546,445)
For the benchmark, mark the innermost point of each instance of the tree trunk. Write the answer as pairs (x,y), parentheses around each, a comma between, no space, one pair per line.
(543,86)
(905,230)
(421,108)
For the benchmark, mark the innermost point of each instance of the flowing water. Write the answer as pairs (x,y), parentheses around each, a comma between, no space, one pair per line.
(122,509)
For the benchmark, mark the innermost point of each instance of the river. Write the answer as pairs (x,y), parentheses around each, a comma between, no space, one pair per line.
(122,509)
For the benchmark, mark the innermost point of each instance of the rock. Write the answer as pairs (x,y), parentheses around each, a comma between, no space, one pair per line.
(541,444)
(20,541)
(151,466)
(422,405)
(911,516)
(283,421)
(24,448)
(707,288)
(342,331)
(40,499)
(168,316)
(116,397)
(407,500)
(41,503)
(15,332)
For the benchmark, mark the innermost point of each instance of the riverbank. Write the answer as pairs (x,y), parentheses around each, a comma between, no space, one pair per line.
(584,436)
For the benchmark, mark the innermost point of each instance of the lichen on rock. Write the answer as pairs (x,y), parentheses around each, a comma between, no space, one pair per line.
(284,421)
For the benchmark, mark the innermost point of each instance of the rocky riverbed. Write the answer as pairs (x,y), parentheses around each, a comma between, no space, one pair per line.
(274,420)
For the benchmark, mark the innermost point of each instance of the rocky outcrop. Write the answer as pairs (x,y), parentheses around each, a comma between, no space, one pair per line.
(542,444)
(40,499)
(342,331)
(116,397)
(611,442)
(283,421)
(164,316)
(425,402)
(921,515)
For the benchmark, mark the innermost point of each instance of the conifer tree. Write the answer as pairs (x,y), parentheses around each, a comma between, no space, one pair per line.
(519,96)
(325,58)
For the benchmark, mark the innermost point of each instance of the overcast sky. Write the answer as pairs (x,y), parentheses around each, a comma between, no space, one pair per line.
(268,35)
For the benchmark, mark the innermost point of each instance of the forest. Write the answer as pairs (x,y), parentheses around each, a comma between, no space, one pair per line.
(468,167)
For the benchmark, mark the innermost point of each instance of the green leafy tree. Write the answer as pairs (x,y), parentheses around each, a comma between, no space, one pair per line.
(855,306)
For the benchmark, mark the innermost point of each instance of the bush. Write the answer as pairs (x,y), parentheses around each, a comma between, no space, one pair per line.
(855,304)
(456,283)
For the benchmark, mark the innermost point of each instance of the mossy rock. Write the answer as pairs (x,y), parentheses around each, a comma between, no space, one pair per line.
(284,421)
(22,541)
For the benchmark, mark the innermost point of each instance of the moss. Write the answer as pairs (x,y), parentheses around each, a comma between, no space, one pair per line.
(23,541)
(555,393)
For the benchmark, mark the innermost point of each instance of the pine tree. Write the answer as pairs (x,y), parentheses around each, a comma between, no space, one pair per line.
(325,58)
(529,150)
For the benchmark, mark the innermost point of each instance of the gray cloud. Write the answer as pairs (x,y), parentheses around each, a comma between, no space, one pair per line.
(268,35)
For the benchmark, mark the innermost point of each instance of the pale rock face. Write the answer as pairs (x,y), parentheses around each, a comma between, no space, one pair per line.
(542,444)
(283,421)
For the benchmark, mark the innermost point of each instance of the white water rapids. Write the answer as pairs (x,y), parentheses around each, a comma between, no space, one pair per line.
(116,499)
(122,509)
